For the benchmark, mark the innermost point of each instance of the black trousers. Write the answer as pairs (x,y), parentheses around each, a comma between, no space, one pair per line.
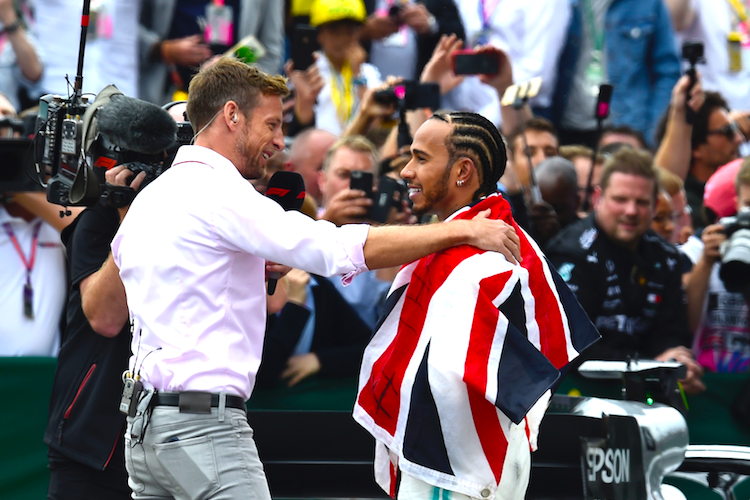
(71,480)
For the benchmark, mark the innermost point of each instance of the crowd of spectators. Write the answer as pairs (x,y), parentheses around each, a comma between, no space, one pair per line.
(629,210)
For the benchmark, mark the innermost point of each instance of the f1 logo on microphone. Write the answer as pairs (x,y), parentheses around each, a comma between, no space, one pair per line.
(278,191)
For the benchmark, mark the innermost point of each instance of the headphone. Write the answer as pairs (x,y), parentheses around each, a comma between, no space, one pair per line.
(234,119)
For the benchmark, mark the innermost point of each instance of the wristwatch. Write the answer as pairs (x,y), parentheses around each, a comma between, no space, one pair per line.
(433,24)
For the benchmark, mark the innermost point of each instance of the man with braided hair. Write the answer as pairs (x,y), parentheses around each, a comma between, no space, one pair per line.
(457,377)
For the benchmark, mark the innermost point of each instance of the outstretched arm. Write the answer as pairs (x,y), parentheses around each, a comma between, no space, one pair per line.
(389,246)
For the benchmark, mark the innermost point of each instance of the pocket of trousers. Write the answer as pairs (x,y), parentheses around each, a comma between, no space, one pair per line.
(191,465)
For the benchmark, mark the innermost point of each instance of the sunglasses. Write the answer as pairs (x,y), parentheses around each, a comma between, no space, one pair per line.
(728,131)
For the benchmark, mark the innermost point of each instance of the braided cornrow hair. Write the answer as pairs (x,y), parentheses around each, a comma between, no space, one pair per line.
(475,136)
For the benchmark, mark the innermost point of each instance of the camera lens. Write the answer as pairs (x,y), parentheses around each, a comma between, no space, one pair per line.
(735,261)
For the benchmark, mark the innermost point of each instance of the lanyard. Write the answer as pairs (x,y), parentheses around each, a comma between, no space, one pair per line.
(486,9)
(28,264)
(739,9)
(597,36)
(342,91)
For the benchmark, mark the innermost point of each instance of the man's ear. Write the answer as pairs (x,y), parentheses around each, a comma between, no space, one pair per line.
(229,113)
(466,170)
(596,196)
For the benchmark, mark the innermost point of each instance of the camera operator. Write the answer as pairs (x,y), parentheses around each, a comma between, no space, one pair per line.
(85,429)
(718,317)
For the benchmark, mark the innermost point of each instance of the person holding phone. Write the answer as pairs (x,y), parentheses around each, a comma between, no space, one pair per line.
(349,171)
(343,72)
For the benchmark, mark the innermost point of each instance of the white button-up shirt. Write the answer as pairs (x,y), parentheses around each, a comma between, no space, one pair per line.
(191,254)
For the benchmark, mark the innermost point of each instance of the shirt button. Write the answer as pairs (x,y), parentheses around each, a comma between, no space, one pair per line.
(485,493)
(635,32)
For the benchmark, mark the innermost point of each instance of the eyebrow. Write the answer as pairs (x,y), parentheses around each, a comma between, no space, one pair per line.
(419,152)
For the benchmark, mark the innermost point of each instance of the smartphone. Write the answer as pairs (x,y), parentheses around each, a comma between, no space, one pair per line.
(304,44)
(362,180)
(468,62)
(388,196)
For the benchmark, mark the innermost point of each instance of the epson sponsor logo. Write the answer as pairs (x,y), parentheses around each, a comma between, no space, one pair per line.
(612,464)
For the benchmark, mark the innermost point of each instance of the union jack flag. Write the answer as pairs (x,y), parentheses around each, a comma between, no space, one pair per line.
(468,345)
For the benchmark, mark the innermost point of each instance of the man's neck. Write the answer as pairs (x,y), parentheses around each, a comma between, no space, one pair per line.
(16,210)
(701,171)
(336,64)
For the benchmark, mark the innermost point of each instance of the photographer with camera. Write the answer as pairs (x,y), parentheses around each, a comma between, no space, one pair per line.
(331,90)
(85,429)
(719,317)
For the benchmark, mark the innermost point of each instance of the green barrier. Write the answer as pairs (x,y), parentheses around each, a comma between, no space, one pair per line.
(25,386)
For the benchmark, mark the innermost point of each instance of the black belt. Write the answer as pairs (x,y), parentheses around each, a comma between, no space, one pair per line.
(195,402)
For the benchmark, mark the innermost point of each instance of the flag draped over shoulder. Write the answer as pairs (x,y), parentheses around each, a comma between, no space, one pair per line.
(468,344)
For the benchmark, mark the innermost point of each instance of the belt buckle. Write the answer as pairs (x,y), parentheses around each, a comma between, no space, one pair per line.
(195,402)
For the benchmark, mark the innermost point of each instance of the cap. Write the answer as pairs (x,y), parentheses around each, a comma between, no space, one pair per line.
(720,194)
(328,11)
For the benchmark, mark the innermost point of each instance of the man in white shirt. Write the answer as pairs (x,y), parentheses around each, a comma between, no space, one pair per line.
(532,34)
(192,255)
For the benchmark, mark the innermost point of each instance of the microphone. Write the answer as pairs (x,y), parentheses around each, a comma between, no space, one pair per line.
(136,125)
(601,113)
(602,103)
(288,190)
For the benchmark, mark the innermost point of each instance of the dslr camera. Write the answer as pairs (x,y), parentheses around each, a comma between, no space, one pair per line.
(735,252)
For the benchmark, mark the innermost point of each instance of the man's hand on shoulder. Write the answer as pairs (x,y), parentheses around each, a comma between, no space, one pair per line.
(497,236)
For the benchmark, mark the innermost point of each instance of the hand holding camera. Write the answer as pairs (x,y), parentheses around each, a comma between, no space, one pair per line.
(378,27)
(126,184)
(439,69)
(416,16)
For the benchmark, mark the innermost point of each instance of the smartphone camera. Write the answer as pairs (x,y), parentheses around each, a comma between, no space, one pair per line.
(472,63)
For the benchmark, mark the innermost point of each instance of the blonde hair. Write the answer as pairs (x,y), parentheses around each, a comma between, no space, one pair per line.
(357,143)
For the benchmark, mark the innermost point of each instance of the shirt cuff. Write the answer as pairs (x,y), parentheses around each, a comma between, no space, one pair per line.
(357,234)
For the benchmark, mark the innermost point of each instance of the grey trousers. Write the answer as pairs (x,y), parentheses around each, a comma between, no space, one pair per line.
(188,456)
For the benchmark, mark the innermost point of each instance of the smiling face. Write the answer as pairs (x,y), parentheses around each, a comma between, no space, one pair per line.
(625,208)
(260,136)
(430,176)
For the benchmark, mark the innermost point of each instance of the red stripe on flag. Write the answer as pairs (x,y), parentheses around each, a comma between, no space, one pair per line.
(546,306)
(489,430)
(380,397)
